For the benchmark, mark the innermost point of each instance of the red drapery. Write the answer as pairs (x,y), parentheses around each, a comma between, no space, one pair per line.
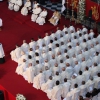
(7,95)
(54,0)
(90,5)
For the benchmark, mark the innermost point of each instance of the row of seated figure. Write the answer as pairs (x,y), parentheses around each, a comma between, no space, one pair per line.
(38,15)
(64,64)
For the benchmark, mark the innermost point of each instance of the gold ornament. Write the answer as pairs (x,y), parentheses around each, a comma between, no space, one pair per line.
(95,12)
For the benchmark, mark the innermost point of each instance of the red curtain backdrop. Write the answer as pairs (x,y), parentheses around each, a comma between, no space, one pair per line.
(90,5)
(7,95)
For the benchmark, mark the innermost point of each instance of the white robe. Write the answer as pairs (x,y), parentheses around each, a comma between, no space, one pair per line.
(83,90)
(35,14)
(77,68)
(47,86)
(65,29)
(65,89)
(1,24)
(20,60)
(40,43)
(55,69)
(25,47)
(69,71)
(21,68)
(94,71)
(97,82)
(57,33)
(47,74)
(29,74)
(38,80)
(13,56)
(63,7)
(90,85)
(71,28)
(85,36)
(11,4)
(98,38)
(17,5)
(47,40)
(86,75)
(16,54)
(24,11)
(97,47)
(35,5)
(41,19)
(73,81)
(1,51)
(55,93)
(32,45)
(74,94)
(38,68)
(80,78)
(91,34)
(28,5)
(85,30)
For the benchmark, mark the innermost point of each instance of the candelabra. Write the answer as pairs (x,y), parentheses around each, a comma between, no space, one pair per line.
(72,17)
(67,14)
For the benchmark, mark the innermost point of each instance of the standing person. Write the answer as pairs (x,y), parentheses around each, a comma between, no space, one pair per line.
(1,24)
(2,60)
(63,7)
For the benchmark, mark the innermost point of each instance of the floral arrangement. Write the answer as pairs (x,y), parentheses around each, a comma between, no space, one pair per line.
(81,9)
(20,97)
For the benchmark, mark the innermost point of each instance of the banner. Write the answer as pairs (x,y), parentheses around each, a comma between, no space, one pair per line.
(95,7)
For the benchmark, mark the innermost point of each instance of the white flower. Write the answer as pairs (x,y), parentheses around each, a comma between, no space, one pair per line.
(20,97)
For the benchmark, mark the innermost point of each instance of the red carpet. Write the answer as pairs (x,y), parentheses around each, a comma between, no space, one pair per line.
(16,84)
(16,28)
(7,94)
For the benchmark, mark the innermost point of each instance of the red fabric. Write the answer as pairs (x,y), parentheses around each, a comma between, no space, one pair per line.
(7,94)
(90,4)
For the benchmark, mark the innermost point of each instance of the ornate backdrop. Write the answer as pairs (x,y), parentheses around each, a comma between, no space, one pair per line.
(90,5)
